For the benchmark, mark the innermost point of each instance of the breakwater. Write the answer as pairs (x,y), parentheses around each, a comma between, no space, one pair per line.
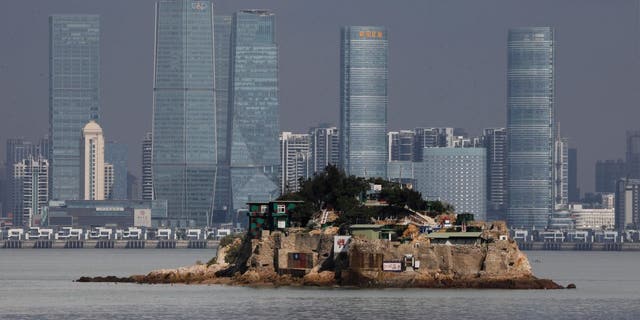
(108,244)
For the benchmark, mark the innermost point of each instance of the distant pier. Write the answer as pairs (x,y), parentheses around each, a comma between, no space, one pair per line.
(108,244)
(580,246)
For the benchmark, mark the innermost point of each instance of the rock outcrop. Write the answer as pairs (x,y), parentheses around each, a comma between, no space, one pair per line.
(299,257)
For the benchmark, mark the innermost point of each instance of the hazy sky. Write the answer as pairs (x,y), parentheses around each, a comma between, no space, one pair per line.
(447,65)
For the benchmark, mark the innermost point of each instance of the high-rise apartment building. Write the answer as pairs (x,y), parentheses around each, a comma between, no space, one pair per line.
(109,179)
(456,176)
(530,126)
(222,47)
(295,155)
(31,179)
(147,167)
(116,154)
(574,190)
(494,140)
(184,111)
(401,145)
(431,138)
(608,172)
(627,210)
(17,150)
(92,162)
(254,116)
(363,100)
(325,147)
(74,96)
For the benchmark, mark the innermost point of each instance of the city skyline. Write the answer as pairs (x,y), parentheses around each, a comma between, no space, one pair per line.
(617,21)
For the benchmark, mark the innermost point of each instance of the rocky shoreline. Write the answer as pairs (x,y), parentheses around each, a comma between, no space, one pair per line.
(308,258)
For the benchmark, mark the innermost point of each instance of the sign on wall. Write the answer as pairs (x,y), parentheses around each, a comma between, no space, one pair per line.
(341,244)
(142,218)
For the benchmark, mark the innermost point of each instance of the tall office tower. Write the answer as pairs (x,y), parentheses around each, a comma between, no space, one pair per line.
(74,96)
(633,154)
(363,100)
(117,154)
(295,155)
(608,172)
(456,176)
(494,140)
(133,191)
(17,149)
(31,177)
(325,147)
(431,138)
(147,167)
(109,177)
(92,162)
(561,173)
(530,126)
(572,176)
(254,151)
(627,209)
(222,47)
(401,144)
(184,111)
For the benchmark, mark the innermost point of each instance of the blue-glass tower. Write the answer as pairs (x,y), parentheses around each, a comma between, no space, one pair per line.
(184,113)
(222,45)
(530,126)
(253,115)
(116,154)
(363,101)
(74,95)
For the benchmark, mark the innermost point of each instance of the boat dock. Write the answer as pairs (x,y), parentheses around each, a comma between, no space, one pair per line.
(108,244)
(580,246)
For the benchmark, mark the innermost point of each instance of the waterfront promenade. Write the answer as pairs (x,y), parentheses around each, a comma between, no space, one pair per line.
(108,244)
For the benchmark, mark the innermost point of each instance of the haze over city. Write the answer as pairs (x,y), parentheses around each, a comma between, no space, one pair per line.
(447,65)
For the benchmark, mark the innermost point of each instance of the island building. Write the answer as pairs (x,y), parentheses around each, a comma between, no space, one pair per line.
(295,154)
(184,112)
(531,126)
(74,96)
(364,72)
(254,157)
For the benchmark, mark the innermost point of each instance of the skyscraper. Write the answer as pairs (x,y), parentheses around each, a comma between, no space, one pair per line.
(627,207)
(561,173)
(574,191)
(363,100)
(253,92)
(222,45)
(17,149)
(325,147)
(608,172)
(92,164)
(184,113)
(116,153)
(530,126)
(494,140)
(147,167)
(74,96)
(31,179)
(431,138)
(633,154)
(295,155)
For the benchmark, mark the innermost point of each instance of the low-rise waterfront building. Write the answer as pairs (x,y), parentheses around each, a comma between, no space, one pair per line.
(589,218)
(116,213)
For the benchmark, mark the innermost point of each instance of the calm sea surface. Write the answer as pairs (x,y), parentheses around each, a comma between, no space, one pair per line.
(37,284)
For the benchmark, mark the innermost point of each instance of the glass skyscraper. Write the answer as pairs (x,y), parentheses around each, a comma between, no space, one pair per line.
(74,95)
(530,126)
(363,101)
(184,114)
(253,96)
(222,45)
